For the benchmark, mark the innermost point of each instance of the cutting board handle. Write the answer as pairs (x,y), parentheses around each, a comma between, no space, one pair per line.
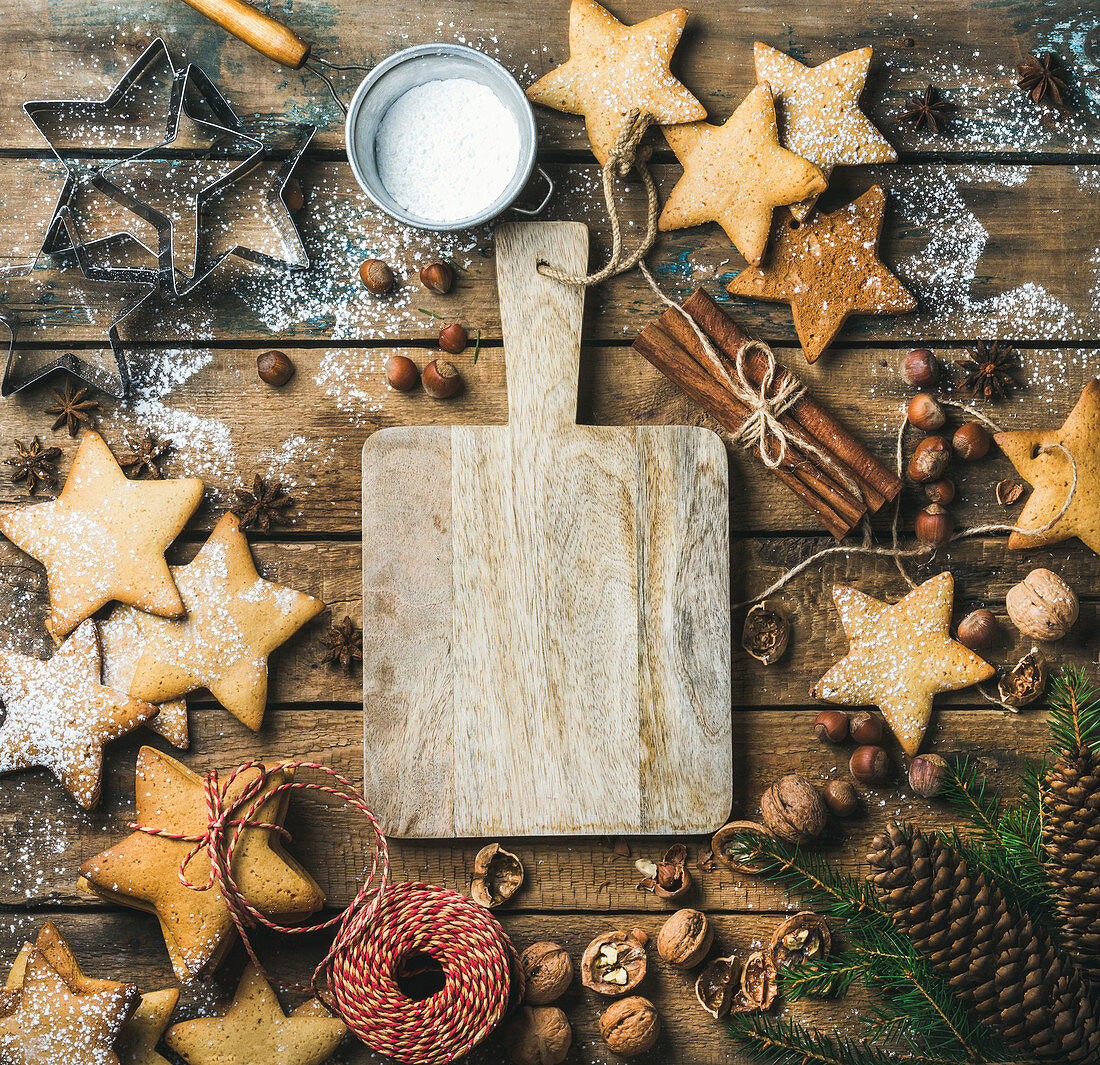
(541,321)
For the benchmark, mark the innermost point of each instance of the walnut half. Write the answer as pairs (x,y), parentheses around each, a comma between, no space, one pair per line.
(498,875)
(615,962)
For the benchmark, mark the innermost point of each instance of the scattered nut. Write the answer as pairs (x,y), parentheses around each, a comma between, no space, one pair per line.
(926,775)
(441,379)
(801,938)
(831,726)
(1024,682)
(1042,605)
(971,441)
(614,963)
(758,984)
(865,727)
(401,373)
(452,339)
(669,878)
(437,277)
(977,629)
(929,459)
(720,845)
(766,632)
(941,491)
(275,368)
(925,413)
(934,525)
(630,1026)
(685,938)
(376,276)
(869,764)
(1009,491)
(841,798)
(548,970)
(537,1036)
(293,197)
(498,875)
(920,368)
(793,810)
(717,985)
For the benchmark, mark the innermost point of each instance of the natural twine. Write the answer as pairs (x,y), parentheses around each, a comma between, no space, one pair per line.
(627,154)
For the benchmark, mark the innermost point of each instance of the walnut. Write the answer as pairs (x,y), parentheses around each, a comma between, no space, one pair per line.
(758,984)
(766,633)
(537,1035)
(793,810)
(1024,682)
(630,1026)
(717,985)
(614,962)
(498,875)
(803,937)
(685,938)
(548,970)
(1042,605)
(669,878)
(723,841)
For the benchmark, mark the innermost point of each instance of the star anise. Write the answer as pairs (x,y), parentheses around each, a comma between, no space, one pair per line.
(263,505)
(35,464)
(344,645)
(929,111)
(985,371)
(145,456)
(1042,76)
(73,409)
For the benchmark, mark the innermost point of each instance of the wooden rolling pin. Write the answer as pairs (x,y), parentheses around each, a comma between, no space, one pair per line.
(256,29)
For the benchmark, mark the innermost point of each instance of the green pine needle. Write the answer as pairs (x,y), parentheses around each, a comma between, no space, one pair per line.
(827,978)
(1074,712)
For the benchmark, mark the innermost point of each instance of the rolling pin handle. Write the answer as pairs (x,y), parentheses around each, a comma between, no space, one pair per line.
(256,29)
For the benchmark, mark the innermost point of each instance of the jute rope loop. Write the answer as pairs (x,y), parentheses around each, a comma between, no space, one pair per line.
(384,925)
(627,154)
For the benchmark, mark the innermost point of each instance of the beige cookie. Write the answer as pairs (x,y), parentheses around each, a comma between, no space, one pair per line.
(235,619)
(613,68)
(59,716)
(254,1029)
(137,1045)
(736,174)
(104,538)
(899,656)
(143,870)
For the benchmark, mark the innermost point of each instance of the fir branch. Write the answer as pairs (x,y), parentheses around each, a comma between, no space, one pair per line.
(1074,720)
(826,978)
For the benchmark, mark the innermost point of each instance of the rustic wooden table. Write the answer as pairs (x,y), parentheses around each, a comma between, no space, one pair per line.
(993,224)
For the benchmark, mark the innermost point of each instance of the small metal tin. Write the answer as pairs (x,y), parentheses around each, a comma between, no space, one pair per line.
(415,66)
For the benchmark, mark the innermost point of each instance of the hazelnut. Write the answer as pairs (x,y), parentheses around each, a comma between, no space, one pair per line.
(275,368)
(1024,682)
(614,963)
(758,984)
(793,810)
(437,277)
(941,491)
(971,441)
(401,373)
(977,629)
(831,726)
(1042,605)
(669,878)
(929,459)
(717,984)
(548,970)
(926,775)
(925,413)
(865,727)
(721,845)
(539,1036)
(685,939)
(452,339)
(869,764)
(801,938)
(766,632)
(498,875)
(293,197)
(376,276)
(934,525)
(841,798)
(630,1026)
(441,379)
(920,368)
(1008,491)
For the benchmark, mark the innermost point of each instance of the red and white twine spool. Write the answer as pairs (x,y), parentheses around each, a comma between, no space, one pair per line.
(384,927)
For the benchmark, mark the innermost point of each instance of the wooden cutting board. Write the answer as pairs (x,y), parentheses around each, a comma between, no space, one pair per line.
(546,609)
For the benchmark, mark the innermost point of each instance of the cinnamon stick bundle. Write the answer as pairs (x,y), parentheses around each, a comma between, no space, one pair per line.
(671,345)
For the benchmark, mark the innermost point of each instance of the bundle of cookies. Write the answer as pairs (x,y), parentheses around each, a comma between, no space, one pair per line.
(777,150)
(170,631)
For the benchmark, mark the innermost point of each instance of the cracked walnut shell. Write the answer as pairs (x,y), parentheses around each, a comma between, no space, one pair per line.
(548,970)
(801,938)
(721,846)
(758,984)
(669,878)
(685,938)
(498,875)
(614,962)
(717,985)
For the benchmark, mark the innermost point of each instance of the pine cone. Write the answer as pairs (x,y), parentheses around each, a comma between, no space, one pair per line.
(1071,841)
(992,956)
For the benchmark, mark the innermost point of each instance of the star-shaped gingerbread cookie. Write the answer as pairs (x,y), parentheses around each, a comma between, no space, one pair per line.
(736,174)
(104,538)
(235,619)
(137,1045)
(142,870)
(254,1028)
(899,656)
(1051,475)
(52,1022)
(819,115)
(59,716)
(613,68)
(826,269)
